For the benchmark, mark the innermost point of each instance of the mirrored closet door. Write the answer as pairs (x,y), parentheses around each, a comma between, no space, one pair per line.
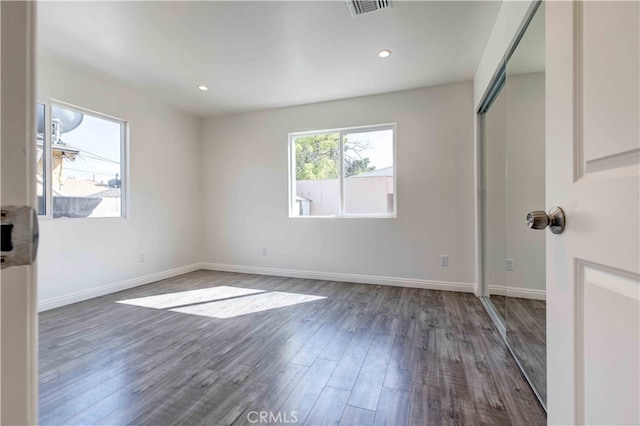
(494,204)
(513,176)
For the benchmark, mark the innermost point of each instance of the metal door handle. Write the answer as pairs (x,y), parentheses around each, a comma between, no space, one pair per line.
(555,220)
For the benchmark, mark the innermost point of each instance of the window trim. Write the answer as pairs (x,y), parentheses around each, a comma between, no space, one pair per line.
(124,159)
(341,131)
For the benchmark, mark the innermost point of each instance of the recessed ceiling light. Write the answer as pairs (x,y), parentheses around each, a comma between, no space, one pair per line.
(384,53)
(203,88)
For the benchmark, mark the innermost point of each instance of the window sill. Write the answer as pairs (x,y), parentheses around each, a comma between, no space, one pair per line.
(51,218)
(369,216)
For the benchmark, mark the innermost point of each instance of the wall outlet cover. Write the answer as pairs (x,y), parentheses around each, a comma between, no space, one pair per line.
(510,264)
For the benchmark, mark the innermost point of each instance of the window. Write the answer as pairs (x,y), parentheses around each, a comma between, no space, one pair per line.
(79,163)
(343,173)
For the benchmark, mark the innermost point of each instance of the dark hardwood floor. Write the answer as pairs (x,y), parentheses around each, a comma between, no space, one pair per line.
(362,354)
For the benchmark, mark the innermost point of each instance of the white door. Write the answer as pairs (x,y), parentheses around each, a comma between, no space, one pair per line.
(18,312)
(592,158)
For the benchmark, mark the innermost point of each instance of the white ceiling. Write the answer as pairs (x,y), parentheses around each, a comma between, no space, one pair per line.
(256,55)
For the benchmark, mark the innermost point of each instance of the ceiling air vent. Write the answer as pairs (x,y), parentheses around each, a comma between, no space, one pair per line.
(360,7)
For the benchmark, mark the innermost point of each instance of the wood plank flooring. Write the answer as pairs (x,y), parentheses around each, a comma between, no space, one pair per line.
(526,325)
(527,335)
(500,304)
(362,354)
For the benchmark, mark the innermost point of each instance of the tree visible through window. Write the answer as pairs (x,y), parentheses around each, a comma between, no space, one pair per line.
(345,172)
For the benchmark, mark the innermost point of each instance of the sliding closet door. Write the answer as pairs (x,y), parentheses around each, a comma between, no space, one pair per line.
(494,202)
(525,248)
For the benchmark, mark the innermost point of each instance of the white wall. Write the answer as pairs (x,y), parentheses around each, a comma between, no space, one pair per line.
(244,161)
(79,257)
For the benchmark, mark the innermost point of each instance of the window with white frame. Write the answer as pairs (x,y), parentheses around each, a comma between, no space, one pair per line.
(346,172)
(80,163)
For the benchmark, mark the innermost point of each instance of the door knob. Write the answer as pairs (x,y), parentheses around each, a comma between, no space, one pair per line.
(555,220)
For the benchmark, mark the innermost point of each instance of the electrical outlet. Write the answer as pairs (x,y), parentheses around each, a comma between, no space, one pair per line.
(444,260)
(264,251)
(141,258)
(510,264)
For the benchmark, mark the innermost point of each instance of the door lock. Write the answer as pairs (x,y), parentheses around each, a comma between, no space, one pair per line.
(555,220)
(19,236)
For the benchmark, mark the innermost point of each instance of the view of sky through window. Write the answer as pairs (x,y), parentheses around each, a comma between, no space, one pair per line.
(98,141)
(377,147)
(84,153)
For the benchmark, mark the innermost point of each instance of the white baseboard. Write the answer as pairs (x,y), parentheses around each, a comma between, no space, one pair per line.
(523,293)
(68,299)
(56,302)
(350,278)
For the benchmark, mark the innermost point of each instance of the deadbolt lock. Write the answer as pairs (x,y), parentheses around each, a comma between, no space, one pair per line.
(18,235)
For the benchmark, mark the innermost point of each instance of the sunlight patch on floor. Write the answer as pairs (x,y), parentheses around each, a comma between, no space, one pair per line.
(247,305)
(182,298)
